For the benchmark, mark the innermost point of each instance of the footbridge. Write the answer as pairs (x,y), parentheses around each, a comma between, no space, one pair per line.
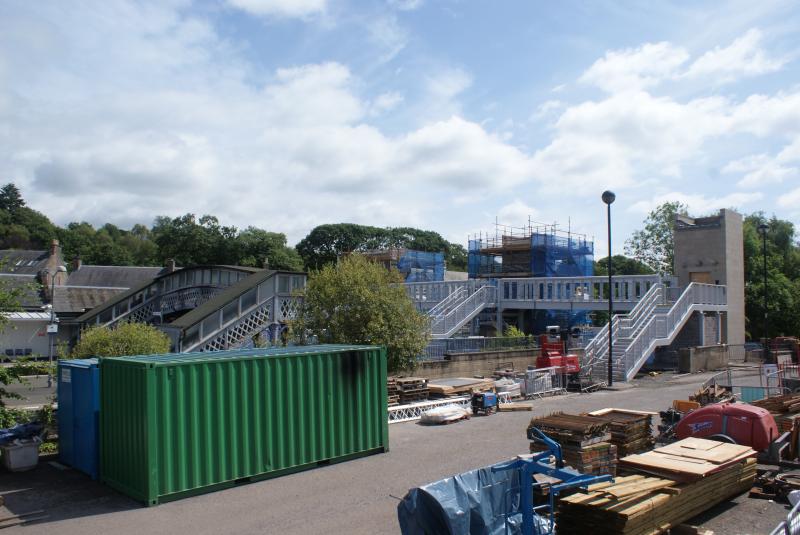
(650,310)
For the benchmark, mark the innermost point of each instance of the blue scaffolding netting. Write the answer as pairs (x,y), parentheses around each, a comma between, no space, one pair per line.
(421,266)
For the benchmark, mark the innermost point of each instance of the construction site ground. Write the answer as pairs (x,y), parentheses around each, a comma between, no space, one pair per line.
(355,497)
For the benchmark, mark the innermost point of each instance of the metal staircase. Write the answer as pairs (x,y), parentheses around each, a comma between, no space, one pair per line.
(455,312)
(654,321)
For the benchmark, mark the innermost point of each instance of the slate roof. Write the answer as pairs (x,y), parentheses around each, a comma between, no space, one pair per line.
(31,297)
(78,299)
(113,276)
(22,261)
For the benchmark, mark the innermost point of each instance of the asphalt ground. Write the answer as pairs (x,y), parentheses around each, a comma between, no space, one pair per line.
(355,497)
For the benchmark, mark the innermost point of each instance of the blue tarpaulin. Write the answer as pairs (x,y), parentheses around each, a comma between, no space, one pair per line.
(478,502)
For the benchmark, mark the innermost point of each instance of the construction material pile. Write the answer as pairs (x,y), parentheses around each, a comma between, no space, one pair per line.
(459,386)
(393,394)
(631,431)
(712,394)
(785,409)
(412,389)
(585,441)
(683,480)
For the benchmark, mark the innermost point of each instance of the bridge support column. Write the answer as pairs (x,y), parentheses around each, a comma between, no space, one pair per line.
(499,321)
(702,328)
(719,328)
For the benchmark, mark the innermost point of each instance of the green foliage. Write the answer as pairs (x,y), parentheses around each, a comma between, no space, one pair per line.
(783,277)
(16,373)
(326,243)
(512,331)
(48,447)
(10,198)
(356,302)
(621,265)
(126,339)
(654,245)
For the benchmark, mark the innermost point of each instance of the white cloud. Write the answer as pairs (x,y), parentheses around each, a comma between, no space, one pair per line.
(406,5)
(743,57)
(698,204)
(386,102)
(449,83)
(281,8)
(516,213)
(633,69)
(763,169)
(387,34)
(790,200)
(546,108)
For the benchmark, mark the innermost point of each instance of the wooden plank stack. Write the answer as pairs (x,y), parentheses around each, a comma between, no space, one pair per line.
(393,393)
(584,441)
(459,386)
(412,389)
(645,505)
(631,431)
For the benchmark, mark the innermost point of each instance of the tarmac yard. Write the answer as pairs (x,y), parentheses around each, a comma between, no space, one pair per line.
(354,497)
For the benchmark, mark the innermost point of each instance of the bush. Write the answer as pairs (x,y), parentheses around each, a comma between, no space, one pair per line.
(126,339)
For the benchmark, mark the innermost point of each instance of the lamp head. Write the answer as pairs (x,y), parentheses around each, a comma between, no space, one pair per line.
(608,197)
(763,228)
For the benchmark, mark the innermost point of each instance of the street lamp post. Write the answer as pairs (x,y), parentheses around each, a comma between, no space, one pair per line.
(52,327)
(608,198)
(762,229)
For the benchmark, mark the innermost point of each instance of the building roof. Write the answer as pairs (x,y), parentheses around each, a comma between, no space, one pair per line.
(78,299)
(27,316)
(112,276)
(31,298)
(22,262)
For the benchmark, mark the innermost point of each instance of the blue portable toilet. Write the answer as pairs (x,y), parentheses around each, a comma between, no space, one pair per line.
(78,414)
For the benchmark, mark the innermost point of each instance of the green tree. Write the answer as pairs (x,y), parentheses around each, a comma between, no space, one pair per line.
(621,265)
(359,302)
(10,198)
(254,245)
(126,339)
(783,277)
(654,245)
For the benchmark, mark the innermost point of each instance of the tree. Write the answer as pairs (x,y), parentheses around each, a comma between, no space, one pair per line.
(621,265)
(654,245)
(326,243)
(254,245)
(359,302)
(126,339)
(10,198)
(783,277)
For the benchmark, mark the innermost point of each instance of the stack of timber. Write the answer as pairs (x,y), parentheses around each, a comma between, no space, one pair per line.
(585,441)
(412,389)
(459,386)
(711,394)
(631,431)
(393,393)
(785,409)
(645,505)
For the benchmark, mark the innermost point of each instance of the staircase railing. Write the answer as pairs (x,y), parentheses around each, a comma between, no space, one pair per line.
(647,329)
(459,315)
(442,307)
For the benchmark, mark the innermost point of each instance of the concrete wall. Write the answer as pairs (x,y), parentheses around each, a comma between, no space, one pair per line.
(471,364)
(713,247)
(700,330)
(695,359)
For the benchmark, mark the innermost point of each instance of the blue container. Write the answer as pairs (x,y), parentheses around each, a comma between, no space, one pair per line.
(78,414)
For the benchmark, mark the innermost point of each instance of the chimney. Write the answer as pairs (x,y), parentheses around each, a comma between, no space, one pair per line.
(170,265)
(54,248)
(265,263)
(76,263)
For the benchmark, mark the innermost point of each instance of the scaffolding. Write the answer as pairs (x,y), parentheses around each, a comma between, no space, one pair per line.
(414,266)
(536,250)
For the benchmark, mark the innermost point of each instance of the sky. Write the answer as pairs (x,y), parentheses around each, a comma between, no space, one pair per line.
(447,115)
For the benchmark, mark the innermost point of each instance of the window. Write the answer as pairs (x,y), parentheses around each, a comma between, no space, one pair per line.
(248,299)
(192,336)
(298,282)
(283,284)
(210,324)
(230,312)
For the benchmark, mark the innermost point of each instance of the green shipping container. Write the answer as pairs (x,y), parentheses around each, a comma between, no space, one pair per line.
(181,424)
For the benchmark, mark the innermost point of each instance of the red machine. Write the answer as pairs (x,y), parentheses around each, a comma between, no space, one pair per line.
(552,354)
(743,424)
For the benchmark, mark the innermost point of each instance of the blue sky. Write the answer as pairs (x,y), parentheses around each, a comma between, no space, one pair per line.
(444,115)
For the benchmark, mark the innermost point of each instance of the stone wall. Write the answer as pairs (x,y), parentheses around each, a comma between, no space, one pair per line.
(691,335)
(471,364)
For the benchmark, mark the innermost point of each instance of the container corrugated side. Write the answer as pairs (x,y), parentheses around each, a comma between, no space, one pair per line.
(173,428)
